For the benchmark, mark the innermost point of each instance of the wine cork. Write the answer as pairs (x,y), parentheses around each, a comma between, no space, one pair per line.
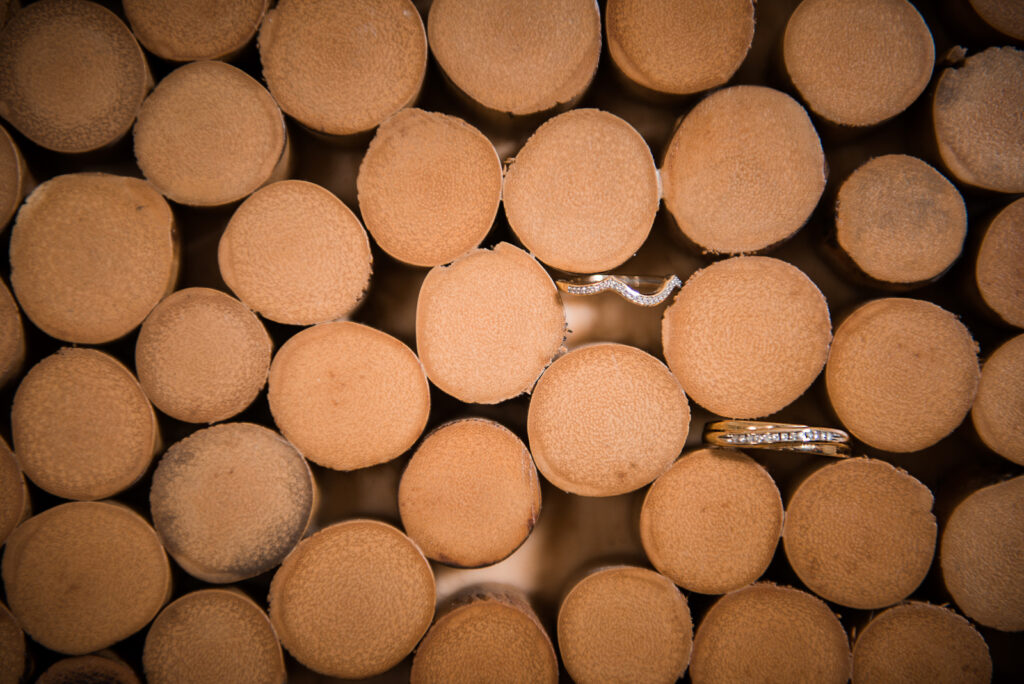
(82,426)
(582,193)
(429,187)
(353,600)
(517,58)
(980,556)
(209,134)
(14,178)
(494,636)
(72,77)
(1005,16)
(978,127)
(625,624)
(12,648)
(294,253)
(89,668)
(202,356)
(920,642)
(679,47)
(230,501)
(902,373)
(736,183)
(999,269)
(606,419)
(998,411)
(755,363)
(488,324)
(712,522)
(215,636)
(348,396)
(84,575)
(12,337)
(194,29)
(341,68)
(14,502)
(860,533)
(60,284)
(779,633)
(900,220)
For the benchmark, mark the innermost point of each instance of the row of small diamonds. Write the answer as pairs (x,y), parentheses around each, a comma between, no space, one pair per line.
(771,437)
(624,290)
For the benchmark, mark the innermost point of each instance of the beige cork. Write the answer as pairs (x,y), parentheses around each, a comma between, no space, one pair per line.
(858,62)
(60,284)
(582,193)
(14,178)
(999,269)
(188,30)
(353,600)
(1005,16)
(712,522)
(725,341)
(768,633)
(488,324)
(213,636)
(348,396)
(625,624)
(84,575)
(978,126)
(519,58)
(980,555)
(743,171)
(900,220)
(89,669)
(341,68)
(12,648)
(679,47)
(202,356)
(12,337)
(295,254)
(998,411)
(860,533)
(902,373)
(429,187)
(72,77)
(231,501)
(919,642)
(82,426)
(14,502)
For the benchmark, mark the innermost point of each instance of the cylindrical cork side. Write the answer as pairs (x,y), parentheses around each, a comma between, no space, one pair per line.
(94,668)
(14,501)
(12,648)
(998,411)
(1005,16)
(189,30)
(736,183)
(12,337)
(999,269)
(14,178)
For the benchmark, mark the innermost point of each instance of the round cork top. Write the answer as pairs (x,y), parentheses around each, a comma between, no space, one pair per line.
(213,636)
(747,365)
(209,134)
(348,396)
(491,638)
(64,223)
(343,67)
(900,220)
(1005,16)
(14,501)
(860,533)
(429,187)
(13,177)
(12,336)
(606,419)
(980,555)
(470,494)
(679,47)
(582,193)
(202,356)
(353,600)
(520,58)
(488,324)
(188,30)
(91,669)
(712,522)
(902,373)
(623,624)
(858,62)
(82,427)
(998,411)
(999,270)
(84,575)
(12,648)
(230,501)
(740,183)
(72,76)
(294,253)
(920,642)
(978,126)
(780,633)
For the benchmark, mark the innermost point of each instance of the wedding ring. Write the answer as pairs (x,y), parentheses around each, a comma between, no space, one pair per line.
(754,434)
(640,290)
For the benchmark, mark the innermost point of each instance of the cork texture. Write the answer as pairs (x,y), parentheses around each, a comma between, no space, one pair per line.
(999,269)
(189,30)
(998,410)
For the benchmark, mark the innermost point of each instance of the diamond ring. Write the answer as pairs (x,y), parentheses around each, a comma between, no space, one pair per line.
(640,290)
(754,434)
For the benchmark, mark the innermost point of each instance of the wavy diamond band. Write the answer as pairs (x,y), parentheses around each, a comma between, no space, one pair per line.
(640,290)
(754,434)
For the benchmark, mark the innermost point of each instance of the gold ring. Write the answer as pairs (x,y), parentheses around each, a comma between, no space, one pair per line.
(755,434)
(640,290)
